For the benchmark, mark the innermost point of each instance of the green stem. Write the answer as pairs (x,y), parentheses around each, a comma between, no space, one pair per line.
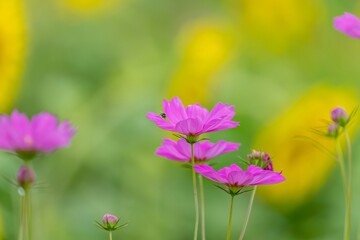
(349,189)
(242,234)
(202,206)
(110,235)
(195,193)
(346,190)
(230,218)
(25,228)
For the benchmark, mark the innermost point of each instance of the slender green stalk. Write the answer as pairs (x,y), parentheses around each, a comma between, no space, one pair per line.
(25,228)
(243,230)
(349,189)
(110,235)
(347,221)
(202,206)
(195,193)
(230,218)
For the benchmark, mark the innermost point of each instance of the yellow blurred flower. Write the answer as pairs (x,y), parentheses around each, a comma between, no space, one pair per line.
(87,6)
(305,167)
(279,24)
(12,49)
(205,47)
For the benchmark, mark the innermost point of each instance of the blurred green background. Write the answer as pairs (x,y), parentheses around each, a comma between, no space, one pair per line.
(103,64)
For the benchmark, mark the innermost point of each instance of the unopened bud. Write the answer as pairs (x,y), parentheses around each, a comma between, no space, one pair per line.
(25,176)
(340,116)
(109,218)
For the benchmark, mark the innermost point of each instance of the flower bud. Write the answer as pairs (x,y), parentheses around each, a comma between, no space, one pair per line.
(261,159)
(25,176)
(109,218)
(333,130)
(340,116)
(110,223)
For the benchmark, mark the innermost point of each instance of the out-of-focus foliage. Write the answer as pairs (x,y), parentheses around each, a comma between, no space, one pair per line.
(104,64)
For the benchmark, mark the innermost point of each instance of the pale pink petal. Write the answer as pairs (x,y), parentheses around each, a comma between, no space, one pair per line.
(169,149)
(174,110)
(348,24)
(220,148)
(196,111)
(160,122)
(209,173)
(190,126)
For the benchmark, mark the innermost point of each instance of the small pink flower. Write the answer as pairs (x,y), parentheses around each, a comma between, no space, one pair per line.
(348,24)
(25,176)
(203,151)
(193,120)
(41,134)
(109,218)
(235,178)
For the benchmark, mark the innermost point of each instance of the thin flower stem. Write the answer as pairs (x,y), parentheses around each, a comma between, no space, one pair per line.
(243,230)
(230,218)
(110,235)
(347,220)
(22,228)
(25,228)
(195,193)
(202,206)
(349,190)
(28,213)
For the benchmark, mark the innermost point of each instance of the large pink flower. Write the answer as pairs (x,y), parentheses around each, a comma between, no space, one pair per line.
(41,134)
(194,119)
(203,151)
(236,178)
(348,24)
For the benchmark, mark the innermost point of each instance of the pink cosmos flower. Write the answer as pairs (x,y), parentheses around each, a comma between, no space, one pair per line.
(41,134)
(348,24)
(193,120)
(235,178)
(203,151)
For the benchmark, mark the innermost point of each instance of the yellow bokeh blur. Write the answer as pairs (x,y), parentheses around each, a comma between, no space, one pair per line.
(305,167)
(279,24)
(12,49)
(87,6)
(205,47)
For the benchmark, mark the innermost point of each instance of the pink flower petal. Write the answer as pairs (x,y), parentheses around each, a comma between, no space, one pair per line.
(348,24)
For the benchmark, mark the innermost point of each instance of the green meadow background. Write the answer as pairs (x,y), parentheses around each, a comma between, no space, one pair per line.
(103,64)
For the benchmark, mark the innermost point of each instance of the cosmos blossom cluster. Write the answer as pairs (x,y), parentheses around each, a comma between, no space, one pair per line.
(189,124)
